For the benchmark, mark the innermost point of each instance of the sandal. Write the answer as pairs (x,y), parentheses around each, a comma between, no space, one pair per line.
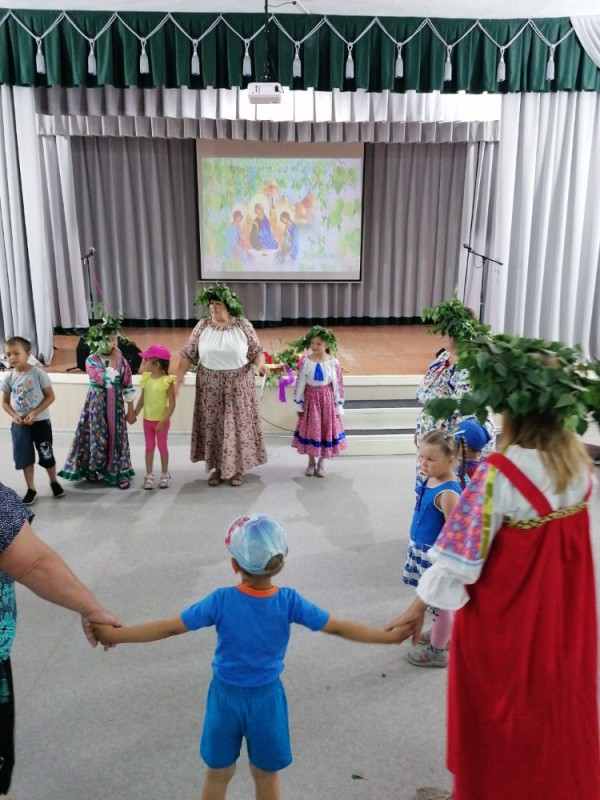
(236,480)
(320,471)
(215,478)
(123,483)
(310,470)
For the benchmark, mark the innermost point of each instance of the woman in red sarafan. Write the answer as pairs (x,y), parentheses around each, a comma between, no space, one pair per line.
(514,559)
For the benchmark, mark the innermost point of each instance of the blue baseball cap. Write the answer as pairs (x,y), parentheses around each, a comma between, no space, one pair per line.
(475,435)
(253,540)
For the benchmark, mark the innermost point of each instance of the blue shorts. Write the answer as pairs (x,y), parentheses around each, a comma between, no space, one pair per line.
(26,437)
(258,714)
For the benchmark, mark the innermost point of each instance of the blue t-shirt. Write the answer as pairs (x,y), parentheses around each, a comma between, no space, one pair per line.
(13,515)
(428,520)
(253,630)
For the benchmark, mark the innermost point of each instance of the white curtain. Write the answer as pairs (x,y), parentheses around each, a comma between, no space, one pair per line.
(24,267)
(546,227)
(588,33)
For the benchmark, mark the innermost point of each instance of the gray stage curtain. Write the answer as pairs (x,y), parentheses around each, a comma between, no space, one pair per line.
(136,201)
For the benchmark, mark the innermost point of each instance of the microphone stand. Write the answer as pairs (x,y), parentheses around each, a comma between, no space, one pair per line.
(485,259)
(86,264)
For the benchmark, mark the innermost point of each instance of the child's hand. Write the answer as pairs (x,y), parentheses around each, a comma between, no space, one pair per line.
(131,417)
(30,418)
(160,425)
(299,413)
(17,420)
(105,634)
(402,632)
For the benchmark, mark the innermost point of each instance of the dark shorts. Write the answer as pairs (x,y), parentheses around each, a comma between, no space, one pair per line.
(7,726)
(257,714)
(27,437)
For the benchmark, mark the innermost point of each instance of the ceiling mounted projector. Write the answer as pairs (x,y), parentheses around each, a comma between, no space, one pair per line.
(265,92)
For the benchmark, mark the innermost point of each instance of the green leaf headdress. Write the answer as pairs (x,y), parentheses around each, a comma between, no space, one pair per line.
(525,378)
(222,292)
(98,334)
(452,318)
(326,334)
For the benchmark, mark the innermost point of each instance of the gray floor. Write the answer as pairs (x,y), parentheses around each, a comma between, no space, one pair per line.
(125,724)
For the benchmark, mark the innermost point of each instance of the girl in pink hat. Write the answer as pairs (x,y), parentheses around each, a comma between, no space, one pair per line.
(158,401)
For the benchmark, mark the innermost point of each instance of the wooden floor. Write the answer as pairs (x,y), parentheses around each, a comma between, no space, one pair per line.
(363,349)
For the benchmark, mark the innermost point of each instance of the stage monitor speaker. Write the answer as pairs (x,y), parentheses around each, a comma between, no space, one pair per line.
(131,353)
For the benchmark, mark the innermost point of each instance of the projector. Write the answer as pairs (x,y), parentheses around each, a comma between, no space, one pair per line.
(265,92)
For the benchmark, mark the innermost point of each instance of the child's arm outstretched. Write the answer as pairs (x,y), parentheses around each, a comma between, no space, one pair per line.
(359,632)
(144,632)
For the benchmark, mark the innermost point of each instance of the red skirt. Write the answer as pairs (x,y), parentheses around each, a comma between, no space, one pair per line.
(523,714)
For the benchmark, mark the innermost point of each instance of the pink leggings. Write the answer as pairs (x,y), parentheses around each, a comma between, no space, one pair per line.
(154,437)
(441,628)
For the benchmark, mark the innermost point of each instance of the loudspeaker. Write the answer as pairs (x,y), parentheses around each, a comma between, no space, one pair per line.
(131,353)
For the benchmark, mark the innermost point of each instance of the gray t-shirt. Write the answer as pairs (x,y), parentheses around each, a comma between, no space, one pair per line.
(26,391)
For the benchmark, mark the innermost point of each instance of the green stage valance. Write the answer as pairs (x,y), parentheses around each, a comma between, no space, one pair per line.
(94,48)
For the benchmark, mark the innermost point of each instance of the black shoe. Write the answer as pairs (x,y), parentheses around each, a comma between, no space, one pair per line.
(57,489)
(30,497)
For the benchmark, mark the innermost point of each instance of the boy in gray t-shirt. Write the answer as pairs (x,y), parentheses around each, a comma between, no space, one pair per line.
(26,394)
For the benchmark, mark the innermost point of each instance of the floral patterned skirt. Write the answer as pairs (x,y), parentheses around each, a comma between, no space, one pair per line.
(319,432)
(7,726)
(100,448)
(226,431)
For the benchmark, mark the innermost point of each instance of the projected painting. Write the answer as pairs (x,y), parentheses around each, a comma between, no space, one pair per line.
(280,218)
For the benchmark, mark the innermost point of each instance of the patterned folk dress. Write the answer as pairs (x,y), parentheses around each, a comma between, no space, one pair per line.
(319,394)
(226,429)
(100,448)
(515,558)
(442,379)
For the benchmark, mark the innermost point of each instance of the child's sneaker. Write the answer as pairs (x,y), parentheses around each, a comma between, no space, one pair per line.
(30,497)
(165,481)
(427,657)
(149,482)
(57,489)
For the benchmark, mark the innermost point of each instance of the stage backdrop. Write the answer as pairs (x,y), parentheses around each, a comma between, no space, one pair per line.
(136,204)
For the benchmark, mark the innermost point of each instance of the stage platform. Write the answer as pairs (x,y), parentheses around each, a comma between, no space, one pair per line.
(363,349)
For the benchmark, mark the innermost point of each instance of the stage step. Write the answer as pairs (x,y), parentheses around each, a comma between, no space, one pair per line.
(380,414)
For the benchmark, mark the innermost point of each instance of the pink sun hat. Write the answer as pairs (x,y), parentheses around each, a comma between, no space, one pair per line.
(157,351)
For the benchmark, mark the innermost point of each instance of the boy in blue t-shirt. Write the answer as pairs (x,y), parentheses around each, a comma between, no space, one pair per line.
(26,394)
(246,698)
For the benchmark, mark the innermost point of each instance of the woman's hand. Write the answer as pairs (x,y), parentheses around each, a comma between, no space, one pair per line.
(414,616)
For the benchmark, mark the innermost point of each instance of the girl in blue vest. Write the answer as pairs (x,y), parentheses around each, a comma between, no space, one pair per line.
(437,494)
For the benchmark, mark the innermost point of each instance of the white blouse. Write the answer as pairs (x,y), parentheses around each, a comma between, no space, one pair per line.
(223,348)
(331,375)
(443,584)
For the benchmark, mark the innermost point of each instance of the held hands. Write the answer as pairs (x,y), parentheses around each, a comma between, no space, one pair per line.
(105,634)
(96,620)
(412,618)
(131,417)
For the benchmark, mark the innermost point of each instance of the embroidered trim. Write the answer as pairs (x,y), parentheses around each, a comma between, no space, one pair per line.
(537,522)
(488,492)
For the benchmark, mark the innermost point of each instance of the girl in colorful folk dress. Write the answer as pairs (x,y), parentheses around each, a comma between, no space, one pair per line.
(100,449)
(437,494)
(319,401)
(514,560)
(158,401)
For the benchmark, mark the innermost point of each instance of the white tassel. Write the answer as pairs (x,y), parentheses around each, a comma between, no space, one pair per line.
(144,63)
(92,70)
(40,61)
(501,71)
(350,64)
(296,63)
(399,64)
(195,69)
(448,65)
(246,63)
(550,66)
